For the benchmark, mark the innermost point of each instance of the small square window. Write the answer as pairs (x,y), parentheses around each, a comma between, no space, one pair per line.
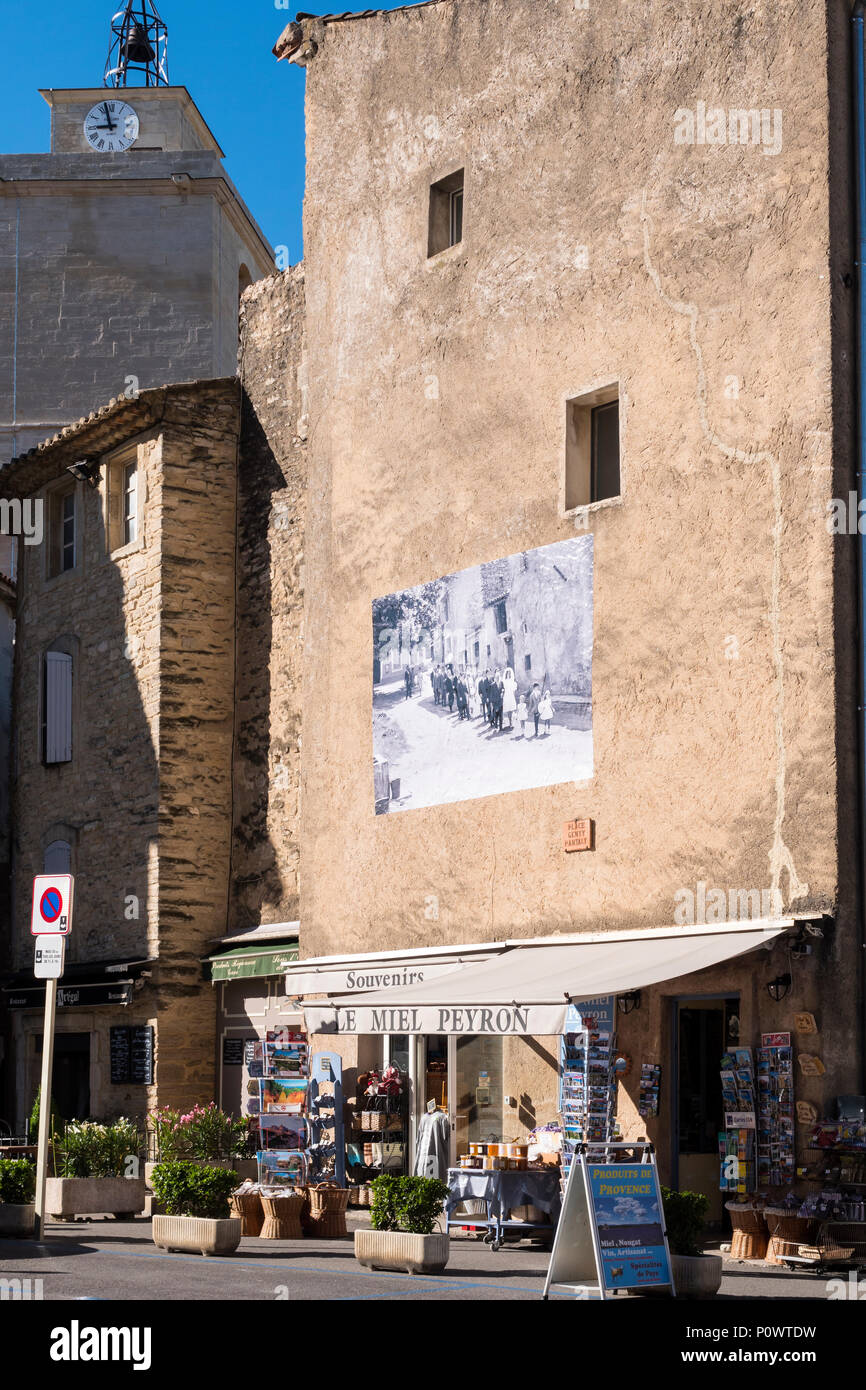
(592,466)
(446,214)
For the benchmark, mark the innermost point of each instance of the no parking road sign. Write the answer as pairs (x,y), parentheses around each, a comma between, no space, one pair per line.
(52,905)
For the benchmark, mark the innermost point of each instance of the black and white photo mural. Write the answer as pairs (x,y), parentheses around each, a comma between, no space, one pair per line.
(482,680)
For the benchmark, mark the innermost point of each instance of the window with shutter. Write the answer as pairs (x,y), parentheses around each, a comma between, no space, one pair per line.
(57,723)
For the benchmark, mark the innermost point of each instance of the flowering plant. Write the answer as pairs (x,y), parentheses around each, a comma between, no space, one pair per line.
(92,1150)
(205,1131)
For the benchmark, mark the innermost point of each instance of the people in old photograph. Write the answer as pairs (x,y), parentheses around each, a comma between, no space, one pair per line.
(482,680)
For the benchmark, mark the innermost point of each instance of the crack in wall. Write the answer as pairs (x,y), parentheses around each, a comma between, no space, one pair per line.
(779,855)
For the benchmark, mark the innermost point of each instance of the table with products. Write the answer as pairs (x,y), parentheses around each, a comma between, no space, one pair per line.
(502,1191)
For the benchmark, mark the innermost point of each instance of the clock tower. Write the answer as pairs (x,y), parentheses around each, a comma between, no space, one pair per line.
(122,250)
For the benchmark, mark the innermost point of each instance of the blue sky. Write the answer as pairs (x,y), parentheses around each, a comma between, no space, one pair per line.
(219,49)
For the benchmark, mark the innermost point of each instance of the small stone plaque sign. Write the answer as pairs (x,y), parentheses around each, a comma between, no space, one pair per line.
(578,835)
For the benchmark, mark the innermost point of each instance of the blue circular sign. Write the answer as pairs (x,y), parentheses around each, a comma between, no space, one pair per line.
(51,904)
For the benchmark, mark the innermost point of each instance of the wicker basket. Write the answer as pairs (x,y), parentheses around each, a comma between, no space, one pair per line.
(788,1232)
(248,1206)
(749,1241)
(375,1120)
(283,1216)
(327,1218)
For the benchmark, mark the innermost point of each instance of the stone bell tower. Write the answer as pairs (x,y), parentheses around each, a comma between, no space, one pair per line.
(123,250)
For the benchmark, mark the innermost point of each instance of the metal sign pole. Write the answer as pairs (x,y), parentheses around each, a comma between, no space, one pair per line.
(45,1104)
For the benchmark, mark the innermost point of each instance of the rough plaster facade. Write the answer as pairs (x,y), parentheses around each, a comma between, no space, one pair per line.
(117,271)
(145,802)
(709,282)
(271,516)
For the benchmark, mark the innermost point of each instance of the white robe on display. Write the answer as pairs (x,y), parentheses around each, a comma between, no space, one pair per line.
(432,1147)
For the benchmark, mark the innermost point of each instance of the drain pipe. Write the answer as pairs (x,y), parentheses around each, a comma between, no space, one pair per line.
(859,86)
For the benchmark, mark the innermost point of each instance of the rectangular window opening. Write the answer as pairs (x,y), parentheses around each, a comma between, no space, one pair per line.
(592,451)
(446,213)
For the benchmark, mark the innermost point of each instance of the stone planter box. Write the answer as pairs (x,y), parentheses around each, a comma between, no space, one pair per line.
(92,1196)
(244,1167)
(696,1276)
(17,1220)
(399,1251)
(203,1235)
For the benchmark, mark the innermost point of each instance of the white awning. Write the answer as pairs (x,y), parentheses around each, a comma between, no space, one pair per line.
(521,987)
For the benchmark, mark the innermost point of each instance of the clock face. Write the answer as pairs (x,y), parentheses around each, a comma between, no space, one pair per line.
(111,126)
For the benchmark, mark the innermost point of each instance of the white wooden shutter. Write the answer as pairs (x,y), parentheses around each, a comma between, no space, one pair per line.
(58,707)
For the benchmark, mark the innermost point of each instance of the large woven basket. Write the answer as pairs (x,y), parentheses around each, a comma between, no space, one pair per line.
(248,1206)
(283,1216)
(749,1241)
(788,1231)
(327,1214)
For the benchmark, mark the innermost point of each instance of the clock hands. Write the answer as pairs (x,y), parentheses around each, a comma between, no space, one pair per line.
(110,125)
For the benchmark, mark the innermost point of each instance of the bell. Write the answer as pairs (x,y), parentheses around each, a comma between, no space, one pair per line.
(137,47)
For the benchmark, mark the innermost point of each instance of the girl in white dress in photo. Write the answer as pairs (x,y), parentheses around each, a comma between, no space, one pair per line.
(545,710)
(509,695)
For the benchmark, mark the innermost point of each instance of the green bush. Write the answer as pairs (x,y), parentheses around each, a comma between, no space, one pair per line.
(186,1189)
(685,1214)
(90,1150)
(56,1125)
(17,1181)
(407,1204)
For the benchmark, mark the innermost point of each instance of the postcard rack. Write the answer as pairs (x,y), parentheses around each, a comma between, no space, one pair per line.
(587,1088)
(327,1146)
(284,1154)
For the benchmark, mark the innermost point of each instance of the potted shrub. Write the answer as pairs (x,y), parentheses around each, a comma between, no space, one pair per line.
(204,1134)
(696,1275)
(403,1236)
(98,1167)
(196,1201)
(17,1207)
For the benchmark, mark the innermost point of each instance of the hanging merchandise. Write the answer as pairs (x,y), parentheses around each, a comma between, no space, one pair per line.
(737,1172)
(587,1080)
(432,1147)
(327,1149)
(775,1110)
(650,1081)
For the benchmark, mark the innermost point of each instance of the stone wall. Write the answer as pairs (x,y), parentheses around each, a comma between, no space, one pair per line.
(271,522)
(115,276)
(146,800)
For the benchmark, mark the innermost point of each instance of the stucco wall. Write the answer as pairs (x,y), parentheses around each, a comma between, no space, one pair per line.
(706,293)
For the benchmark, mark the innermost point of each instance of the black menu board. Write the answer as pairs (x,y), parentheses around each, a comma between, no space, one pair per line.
(141,1055)
(119,1048)
(233,1052)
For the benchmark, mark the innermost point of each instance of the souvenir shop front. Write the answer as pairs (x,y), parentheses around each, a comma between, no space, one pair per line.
(519,1047)
(247,972)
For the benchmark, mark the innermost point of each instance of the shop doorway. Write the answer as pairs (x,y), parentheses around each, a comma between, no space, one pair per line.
(70,1083)
(462,1075)
(703,1028)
